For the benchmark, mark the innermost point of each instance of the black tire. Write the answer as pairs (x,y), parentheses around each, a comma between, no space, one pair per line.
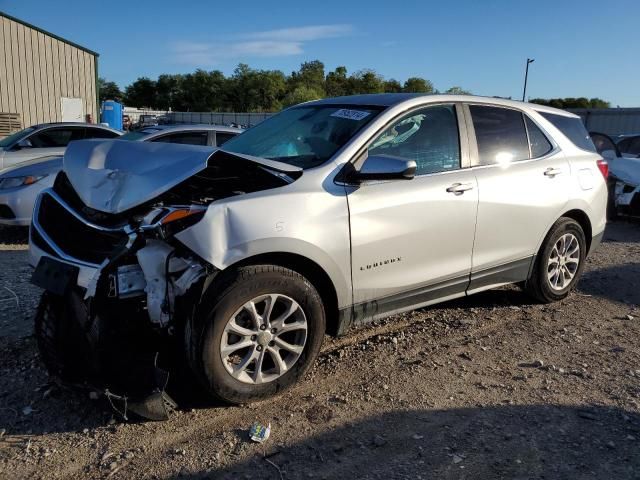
(61,342)
(538,285)
(47,333)
(612,211)
(223,298)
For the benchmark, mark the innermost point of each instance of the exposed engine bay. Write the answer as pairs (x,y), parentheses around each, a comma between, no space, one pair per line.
(120,288)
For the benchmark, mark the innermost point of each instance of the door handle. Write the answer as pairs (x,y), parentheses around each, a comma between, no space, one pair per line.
(552,172)
(459,188)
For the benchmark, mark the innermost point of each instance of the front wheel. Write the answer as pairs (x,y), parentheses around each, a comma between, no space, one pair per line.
(259,330)
(559,262)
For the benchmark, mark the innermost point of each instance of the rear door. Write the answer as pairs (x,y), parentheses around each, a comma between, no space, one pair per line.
(523,183)
(412,239)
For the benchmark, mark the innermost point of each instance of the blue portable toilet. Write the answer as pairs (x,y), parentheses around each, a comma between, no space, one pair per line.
(112,114)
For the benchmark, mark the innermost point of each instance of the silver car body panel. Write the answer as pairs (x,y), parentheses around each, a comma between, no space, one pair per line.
(21,199)
(116,175)
(397,245)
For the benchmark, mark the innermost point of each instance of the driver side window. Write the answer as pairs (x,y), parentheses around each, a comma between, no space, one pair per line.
(429,136)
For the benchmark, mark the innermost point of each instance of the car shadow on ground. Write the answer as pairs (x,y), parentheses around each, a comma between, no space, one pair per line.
(619,283)
(514,442)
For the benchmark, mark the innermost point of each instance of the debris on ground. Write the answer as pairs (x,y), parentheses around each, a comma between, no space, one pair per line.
(259,433)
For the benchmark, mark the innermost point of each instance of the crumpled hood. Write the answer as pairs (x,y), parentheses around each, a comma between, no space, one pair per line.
(115,175)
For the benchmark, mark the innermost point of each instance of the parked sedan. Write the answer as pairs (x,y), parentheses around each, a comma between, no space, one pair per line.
(20,186)
(46,139)
(211,135)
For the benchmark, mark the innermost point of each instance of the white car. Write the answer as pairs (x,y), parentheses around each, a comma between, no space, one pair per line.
(624,174)
(327,215)
(46,140)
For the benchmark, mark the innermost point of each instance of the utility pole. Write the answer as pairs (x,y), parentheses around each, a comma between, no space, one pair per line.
(526,74)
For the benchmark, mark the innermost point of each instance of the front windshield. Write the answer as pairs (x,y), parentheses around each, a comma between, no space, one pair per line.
(138,134)
(15,137)
(305,136)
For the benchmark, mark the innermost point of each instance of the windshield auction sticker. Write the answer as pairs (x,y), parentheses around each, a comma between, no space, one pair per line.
(350,114)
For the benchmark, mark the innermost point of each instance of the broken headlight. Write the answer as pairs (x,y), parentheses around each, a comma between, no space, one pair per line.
(168,221)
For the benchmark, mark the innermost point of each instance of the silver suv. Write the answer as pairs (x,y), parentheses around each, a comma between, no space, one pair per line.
(328,215)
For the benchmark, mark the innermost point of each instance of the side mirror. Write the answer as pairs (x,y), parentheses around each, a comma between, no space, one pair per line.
(385,167)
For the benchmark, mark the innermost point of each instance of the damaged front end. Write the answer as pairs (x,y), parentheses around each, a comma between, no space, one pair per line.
(120,289)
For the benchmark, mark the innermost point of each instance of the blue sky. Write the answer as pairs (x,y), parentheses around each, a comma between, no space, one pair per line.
(582,48)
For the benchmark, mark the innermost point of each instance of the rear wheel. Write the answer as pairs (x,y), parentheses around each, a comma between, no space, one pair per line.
(559,262)
(259,330)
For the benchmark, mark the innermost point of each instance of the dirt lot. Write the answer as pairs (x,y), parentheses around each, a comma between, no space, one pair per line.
(492,386)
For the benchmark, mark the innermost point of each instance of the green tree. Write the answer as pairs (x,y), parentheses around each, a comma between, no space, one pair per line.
(366,81)
(203,91)
(571,102)
(169,92)
(310,75)
(269,87)
(417,85)
(392,86)
(109,90)
(301,94)
(456,91)
(337,83)
(141,93)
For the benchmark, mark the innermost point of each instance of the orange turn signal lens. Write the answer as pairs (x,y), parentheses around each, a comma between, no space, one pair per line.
(179,215)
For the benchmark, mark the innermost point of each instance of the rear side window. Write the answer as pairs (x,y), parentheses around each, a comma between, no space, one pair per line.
(500,133)
(540,144)
(187,138)
(573,129)
(100,133)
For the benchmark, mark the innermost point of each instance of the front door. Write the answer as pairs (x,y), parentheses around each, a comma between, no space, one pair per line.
(412,239)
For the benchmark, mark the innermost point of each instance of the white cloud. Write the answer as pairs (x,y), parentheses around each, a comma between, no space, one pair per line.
(305,34)
(270,43)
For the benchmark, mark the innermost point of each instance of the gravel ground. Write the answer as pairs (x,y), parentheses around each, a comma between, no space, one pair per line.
(492,386)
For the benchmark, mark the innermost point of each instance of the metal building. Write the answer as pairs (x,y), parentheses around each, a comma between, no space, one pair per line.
(44,78)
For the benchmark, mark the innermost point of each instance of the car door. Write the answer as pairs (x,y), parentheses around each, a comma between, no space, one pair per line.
(523,183)
(188,138)
(411,240)
(43,143)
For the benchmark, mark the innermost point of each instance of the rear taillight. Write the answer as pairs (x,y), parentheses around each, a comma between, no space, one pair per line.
(603,166)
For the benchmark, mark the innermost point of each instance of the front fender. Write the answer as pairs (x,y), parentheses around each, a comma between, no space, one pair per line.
(231,232)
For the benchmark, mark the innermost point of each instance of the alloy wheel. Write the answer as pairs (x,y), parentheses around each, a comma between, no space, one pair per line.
(263,339)
(563,261)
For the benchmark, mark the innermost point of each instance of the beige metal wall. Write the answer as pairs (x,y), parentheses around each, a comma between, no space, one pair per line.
(37,71)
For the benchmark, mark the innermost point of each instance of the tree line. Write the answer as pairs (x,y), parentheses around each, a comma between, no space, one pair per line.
(251,90)
(570,102)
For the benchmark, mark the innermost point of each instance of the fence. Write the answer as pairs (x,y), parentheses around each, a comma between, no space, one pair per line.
(218,118)
(612,121)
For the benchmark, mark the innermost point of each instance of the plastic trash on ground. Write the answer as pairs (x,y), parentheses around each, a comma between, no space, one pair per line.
(259,433)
